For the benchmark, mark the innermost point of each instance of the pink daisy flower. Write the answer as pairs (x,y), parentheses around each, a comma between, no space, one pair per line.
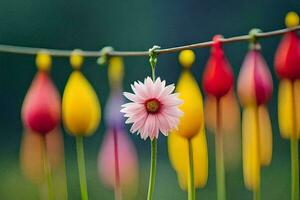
(153,108)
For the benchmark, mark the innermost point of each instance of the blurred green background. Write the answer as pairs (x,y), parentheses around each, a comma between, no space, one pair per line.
(130,25)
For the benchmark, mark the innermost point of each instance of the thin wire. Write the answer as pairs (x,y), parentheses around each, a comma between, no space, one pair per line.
(67,53)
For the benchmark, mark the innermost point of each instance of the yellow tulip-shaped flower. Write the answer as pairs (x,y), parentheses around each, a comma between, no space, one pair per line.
(192,107)
(80,104)
(80,112)
(187,145)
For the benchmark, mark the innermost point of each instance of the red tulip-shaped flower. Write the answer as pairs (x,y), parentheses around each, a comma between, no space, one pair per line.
(218,75)
(41,107)
(287,57)
(255,89)
(255,84)
(217,82)
(287,67)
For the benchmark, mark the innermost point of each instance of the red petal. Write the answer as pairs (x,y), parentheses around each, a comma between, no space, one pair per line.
(41,106)
(218,75)
(287,57)
(255,81)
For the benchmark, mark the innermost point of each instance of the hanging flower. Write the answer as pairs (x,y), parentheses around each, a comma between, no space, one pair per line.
(153,108)
(193,119)
(127,162)
(287,62)
(187,145)
(117,158)
(287,67)
(41,106)
(81,111)
(218,75)
(217,82)
(255,89)
(32,160)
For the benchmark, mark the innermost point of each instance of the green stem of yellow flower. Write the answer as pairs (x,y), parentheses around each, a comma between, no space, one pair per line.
(294,152)
(256,194)
(220,169)
(47,169)
(66,180)
(295,168)
(81,167)
(152,169)
(191,183)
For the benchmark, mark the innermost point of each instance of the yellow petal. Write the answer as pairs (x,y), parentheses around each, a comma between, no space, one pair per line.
(192,107)
(251,164)
(297,106)
(80,106)
(179,154)
(230,124)
(285,108)
(265,136)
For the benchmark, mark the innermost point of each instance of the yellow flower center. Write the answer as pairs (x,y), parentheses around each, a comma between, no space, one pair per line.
(152,105)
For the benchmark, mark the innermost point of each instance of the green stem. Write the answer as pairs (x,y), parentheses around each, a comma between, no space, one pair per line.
(191,183)
(295,168)
(256,194)
(47,169)
(81,167)
(220,169)
(152,169)
(294,152)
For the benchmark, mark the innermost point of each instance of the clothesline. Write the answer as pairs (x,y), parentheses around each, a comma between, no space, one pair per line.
(66,53)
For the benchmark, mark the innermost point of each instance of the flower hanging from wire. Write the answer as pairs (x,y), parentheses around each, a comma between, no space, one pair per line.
(41,107)
(217,82)
(81,113)
(153,108)
(187,146)
(287,62)
(255,89)
(117,159)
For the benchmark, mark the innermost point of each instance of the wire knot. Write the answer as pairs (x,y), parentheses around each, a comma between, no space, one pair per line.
(153,56)
(253,38)
(104,54)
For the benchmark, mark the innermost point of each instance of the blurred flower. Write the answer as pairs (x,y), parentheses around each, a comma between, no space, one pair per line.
(117,159)
(287,56)
(153,109)
(193,118)
(127,162)
(41,106)
(113,117)
(187,145)
(255,89)
(32,164)
(217,82)
(229,125)
(179,154)
(289,108)
(81,113)
(80,106)
(287,62)
(218,75)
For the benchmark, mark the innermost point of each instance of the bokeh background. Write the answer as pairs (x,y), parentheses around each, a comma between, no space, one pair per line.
(130,25)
